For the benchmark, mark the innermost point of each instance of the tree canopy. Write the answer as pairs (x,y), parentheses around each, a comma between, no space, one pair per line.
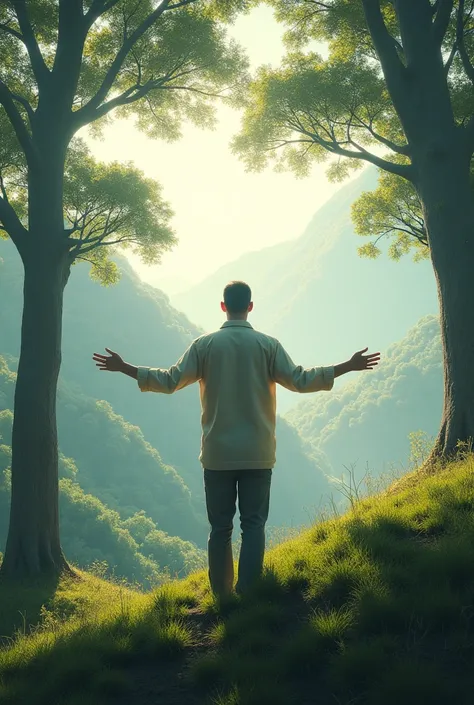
(341,107)
(164,64)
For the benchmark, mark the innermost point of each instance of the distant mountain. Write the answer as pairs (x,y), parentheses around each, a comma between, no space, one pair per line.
(317,295)
(138,321)
(368,421)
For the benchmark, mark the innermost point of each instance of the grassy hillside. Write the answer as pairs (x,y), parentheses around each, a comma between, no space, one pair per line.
(369,420)
(317,295)
(372,608)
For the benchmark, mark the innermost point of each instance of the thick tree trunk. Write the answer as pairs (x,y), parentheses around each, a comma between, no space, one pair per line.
(446,194)
(33,546)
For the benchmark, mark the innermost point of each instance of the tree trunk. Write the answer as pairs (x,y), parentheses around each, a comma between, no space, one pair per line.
(446,194)
(33,546)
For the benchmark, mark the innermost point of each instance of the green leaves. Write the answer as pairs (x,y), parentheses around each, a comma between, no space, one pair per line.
(171,72)
(392,211)
(375,90)
(108,206)
(165,63)
(311,108)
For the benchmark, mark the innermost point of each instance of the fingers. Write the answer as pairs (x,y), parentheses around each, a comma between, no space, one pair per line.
(111,352)
(362,351)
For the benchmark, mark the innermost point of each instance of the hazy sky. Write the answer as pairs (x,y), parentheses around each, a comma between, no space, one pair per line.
(220,210)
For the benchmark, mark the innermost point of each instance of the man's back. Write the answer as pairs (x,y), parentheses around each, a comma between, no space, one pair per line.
(237,368)
(238,397)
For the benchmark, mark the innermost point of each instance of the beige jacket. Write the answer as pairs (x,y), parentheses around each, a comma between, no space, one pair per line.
(237,368)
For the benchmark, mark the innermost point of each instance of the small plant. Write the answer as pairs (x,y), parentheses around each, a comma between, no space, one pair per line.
(351,488)
(421,445)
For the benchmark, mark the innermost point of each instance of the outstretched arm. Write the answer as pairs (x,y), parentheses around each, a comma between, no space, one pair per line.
(358,362)
(315,379)
(114,363)
(154,379)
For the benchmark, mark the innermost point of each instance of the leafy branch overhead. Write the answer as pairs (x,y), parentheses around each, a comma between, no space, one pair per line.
(392,211)
(164,63)
(360,104)
(109,206)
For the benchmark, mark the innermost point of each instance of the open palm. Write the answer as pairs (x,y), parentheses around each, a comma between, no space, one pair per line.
(108,363)
(360,361)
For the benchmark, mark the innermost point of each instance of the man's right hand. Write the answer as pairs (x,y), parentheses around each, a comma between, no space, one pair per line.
(109,363)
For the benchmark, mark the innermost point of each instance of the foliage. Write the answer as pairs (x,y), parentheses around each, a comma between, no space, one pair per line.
(101,200)
(393,210)
(358,104)
(369,607)
(82,62)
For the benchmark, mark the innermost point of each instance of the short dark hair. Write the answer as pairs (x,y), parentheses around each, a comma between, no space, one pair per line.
(237,297)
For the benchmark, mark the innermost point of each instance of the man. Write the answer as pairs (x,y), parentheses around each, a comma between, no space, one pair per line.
(237,369)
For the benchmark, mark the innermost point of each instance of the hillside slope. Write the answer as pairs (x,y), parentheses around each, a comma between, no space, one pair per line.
(369,420)
(372,608)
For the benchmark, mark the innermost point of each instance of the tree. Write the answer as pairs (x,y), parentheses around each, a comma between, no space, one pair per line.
(393,211)
(67,64)
(396,91)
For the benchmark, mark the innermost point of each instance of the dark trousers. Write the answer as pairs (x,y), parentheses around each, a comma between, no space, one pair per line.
(223,487)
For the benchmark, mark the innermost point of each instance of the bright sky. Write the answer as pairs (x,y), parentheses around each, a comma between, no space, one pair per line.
(220,210)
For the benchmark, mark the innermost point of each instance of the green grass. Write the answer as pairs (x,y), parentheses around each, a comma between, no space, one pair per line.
(375,608)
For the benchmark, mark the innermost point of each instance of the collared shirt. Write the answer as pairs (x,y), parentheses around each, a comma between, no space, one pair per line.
(237,368)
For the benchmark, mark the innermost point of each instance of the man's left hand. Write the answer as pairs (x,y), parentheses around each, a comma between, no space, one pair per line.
(359,361)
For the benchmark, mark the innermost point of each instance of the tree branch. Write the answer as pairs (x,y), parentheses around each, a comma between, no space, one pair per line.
(99,242)
(442,19)
(449,62)
(181,4)
(385,48)
(89,111)
(403,149)
(26,104)
(11,222)
(84,114)
(8,102)
(40,70)
(98,8)
(9,30)
(131,95)
(403,170)
(466,62)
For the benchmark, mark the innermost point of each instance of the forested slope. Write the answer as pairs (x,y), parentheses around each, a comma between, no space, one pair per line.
(369,420)
(119,503)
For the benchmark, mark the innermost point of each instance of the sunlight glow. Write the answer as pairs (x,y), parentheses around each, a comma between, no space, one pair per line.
(220,210)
